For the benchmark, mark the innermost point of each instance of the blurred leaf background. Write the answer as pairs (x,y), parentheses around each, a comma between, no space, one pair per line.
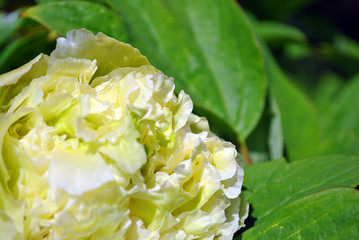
(280,79)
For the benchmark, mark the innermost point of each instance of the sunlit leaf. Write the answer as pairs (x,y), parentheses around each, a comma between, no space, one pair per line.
(329,214)
(274,184)
(67,15)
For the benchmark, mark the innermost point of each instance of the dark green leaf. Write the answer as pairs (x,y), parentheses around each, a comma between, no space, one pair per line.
(257,141)
(346,46)
(9,23)
(266,141)
(276,34)
(342,52)
(68,15)
(46,1)
(274,184)
(277,9)
(295,51)
(210,49)
(24,49)
(330,214)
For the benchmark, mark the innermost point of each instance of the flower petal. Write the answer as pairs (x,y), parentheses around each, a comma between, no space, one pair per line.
(77,171)
(7,227)
(109,53)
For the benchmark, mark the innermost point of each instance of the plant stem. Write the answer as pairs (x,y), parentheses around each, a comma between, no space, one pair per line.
(245,154)
(243,150)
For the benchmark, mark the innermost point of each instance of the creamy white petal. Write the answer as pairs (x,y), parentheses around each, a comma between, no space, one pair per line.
(77,171)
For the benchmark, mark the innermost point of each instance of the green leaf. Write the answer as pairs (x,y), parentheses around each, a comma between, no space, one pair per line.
(296,51)
(257,142)
(340,124)
(9,23)
(24,49)
(277,34)
(343,52)
(274,184)
(65,16)
(46,1)
(329,85)
(330,214)
(346,46)
(276,9)
(208,46)
(275,138)
(299,117)
(266,141)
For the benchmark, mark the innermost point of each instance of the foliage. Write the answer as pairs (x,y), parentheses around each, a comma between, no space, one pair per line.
(261,84)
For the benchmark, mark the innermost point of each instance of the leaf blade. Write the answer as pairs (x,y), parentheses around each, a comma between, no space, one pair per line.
(280,183)
(65,16)
(313,214)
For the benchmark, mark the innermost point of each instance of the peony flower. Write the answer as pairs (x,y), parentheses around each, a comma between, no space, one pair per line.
(96,145)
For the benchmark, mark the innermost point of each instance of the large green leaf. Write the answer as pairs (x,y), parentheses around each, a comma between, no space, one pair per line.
(68,15)
(330,214)
(274,184)
(210,49)
(299,118)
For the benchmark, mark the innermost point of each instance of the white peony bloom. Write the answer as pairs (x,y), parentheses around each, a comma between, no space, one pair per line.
(95,144)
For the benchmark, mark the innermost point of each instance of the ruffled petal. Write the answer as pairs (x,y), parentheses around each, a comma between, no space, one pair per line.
(76,171)
(109,53)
